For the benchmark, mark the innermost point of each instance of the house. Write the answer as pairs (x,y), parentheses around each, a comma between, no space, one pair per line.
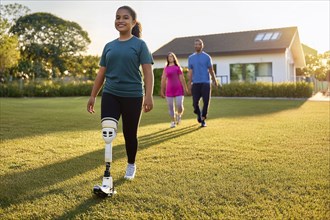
(269,55)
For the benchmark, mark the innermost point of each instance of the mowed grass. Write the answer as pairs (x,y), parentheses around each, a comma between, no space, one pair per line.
(257,159)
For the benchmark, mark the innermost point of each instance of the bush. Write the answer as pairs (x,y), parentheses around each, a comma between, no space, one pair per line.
(46,89)
(11,90)
(157,80)
(290,90)
(83,88)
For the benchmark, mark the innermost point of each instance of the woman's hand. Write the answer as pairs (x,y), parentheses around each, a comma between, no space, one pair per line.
(90,105)
(148,103)
(162,94)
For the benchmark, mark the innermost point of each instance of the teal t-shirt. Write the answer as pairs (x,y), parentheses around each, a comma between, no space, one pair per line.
(122,60)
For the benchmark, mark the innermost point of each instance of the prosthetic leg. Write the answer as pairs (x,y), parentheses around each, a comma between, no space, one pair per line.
(109,132)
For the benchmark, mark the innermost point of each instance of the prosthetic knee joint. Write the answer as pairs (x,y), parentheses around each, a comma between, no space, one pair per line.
(109,132)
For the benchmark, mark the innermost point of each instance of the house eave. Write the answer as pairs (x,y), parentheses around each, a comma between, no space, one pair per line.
(228,53)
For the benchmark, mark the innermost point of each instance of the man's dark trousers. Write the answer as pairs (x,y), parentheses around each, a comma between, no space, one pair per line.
(201,90)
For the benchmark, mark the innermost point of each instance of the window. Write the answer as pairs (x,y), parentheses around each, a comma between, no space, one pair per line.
(259,37)
(275,36)
(267,36)
(251,72)
(223,79)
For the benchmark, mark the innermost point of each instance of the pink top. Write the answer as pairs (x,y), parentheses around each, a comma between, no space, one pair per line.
(173,83)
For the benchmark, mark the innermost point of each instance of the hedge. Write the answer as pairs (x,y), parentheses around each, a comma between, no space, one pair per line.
(46,89)
(83,88)
(259,89)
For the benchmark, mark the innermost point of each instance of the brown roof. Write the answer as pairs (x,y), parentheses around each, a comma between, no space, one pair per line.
(232,43)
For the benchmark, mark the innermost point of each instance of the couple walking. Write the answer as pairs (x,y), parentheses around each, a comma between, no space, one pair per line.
(173,84)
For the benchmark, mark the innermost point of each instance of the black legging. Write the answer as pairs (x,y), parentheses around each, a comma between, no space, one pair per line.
(130,109)
(201,90)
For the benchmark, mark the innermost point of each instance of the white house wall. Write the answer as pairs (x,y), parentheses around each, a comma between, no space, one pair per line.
(291,69)
(281,69)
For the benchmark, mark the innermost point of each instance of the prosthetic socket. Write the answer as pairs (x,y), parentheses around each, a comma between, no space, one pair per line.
(109,132)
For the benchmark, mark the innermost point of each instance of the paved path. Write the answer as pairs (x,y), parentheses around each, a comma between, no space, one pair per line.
(319,97)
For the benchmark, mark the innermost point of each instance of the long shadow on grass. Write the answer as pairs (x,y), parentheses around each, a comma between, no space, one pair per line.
(48,116)
(234,108)
(27,186)
(88,203)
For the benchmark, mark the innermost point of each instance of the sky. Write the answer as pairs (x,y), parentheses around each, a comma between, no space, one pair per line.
(162,21)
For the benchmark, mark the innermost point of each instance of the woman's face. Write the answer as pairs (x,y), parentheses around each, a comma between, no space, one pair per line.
(124,21)
(170,58)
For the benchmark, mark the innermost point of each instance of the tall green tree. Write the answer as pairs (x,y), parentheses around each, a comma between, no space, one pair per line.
(49,40)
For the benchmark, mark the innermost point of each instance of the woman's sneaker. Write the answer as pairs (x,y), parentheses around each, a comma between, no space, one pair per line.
(172,124)
(130,171)
(178,119)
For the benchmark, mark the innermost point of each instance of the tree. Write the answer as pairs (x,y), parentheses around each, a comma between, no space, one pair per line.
(11,12)
(317,66)
(84,67)
(9,53)
(49,40)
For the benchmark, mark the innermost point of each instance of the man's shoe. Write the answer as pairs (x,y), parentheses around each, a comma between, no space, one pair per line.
(199,119)
(203,123)
(130,171)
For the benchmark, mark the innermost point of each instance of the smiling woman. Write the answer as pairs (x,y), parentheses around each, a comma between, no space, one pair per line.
(125,91)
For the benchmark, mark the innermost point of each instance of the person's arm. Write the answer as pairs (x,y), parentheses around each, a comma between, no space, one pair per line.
(148,102)
(214,80)
(99,80)
(183,83)
(190,72)
(163,84)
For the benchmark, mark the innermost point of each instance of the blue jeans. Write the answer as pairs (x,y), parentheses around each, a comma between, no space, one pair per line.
(201,90)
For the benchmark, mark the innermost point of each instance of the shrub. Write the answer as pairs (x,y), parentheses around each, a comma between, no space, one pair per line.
(83,88)
(290,90)
(157,80)
(46,89)
(11,90)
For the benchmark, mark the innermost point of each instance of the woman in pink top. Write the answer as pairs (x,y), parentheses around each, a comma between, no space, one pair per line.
(173,86)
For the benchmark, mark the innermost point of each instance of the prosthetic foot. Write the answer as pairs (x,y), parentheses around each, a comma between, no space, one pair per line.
(109,132)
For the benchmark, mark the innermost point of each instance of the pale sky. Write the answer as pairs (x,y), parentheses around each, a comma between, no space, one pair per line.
(162,21)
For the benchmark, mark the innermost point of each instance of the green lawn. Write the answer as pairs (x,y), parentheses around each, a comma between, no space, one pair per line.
(257,159)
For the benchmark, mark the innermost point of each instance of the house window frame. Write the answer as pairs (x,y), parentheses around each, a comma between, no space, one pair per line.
(250,72)
(267,36)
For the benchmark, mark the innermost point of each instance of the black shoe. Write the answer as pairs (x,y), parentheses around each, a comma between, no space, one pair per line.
(199,119)
(203,123)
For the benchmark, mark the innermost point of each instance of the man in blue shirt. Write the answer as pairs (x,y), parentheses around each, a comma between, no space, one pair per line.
(200,68)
